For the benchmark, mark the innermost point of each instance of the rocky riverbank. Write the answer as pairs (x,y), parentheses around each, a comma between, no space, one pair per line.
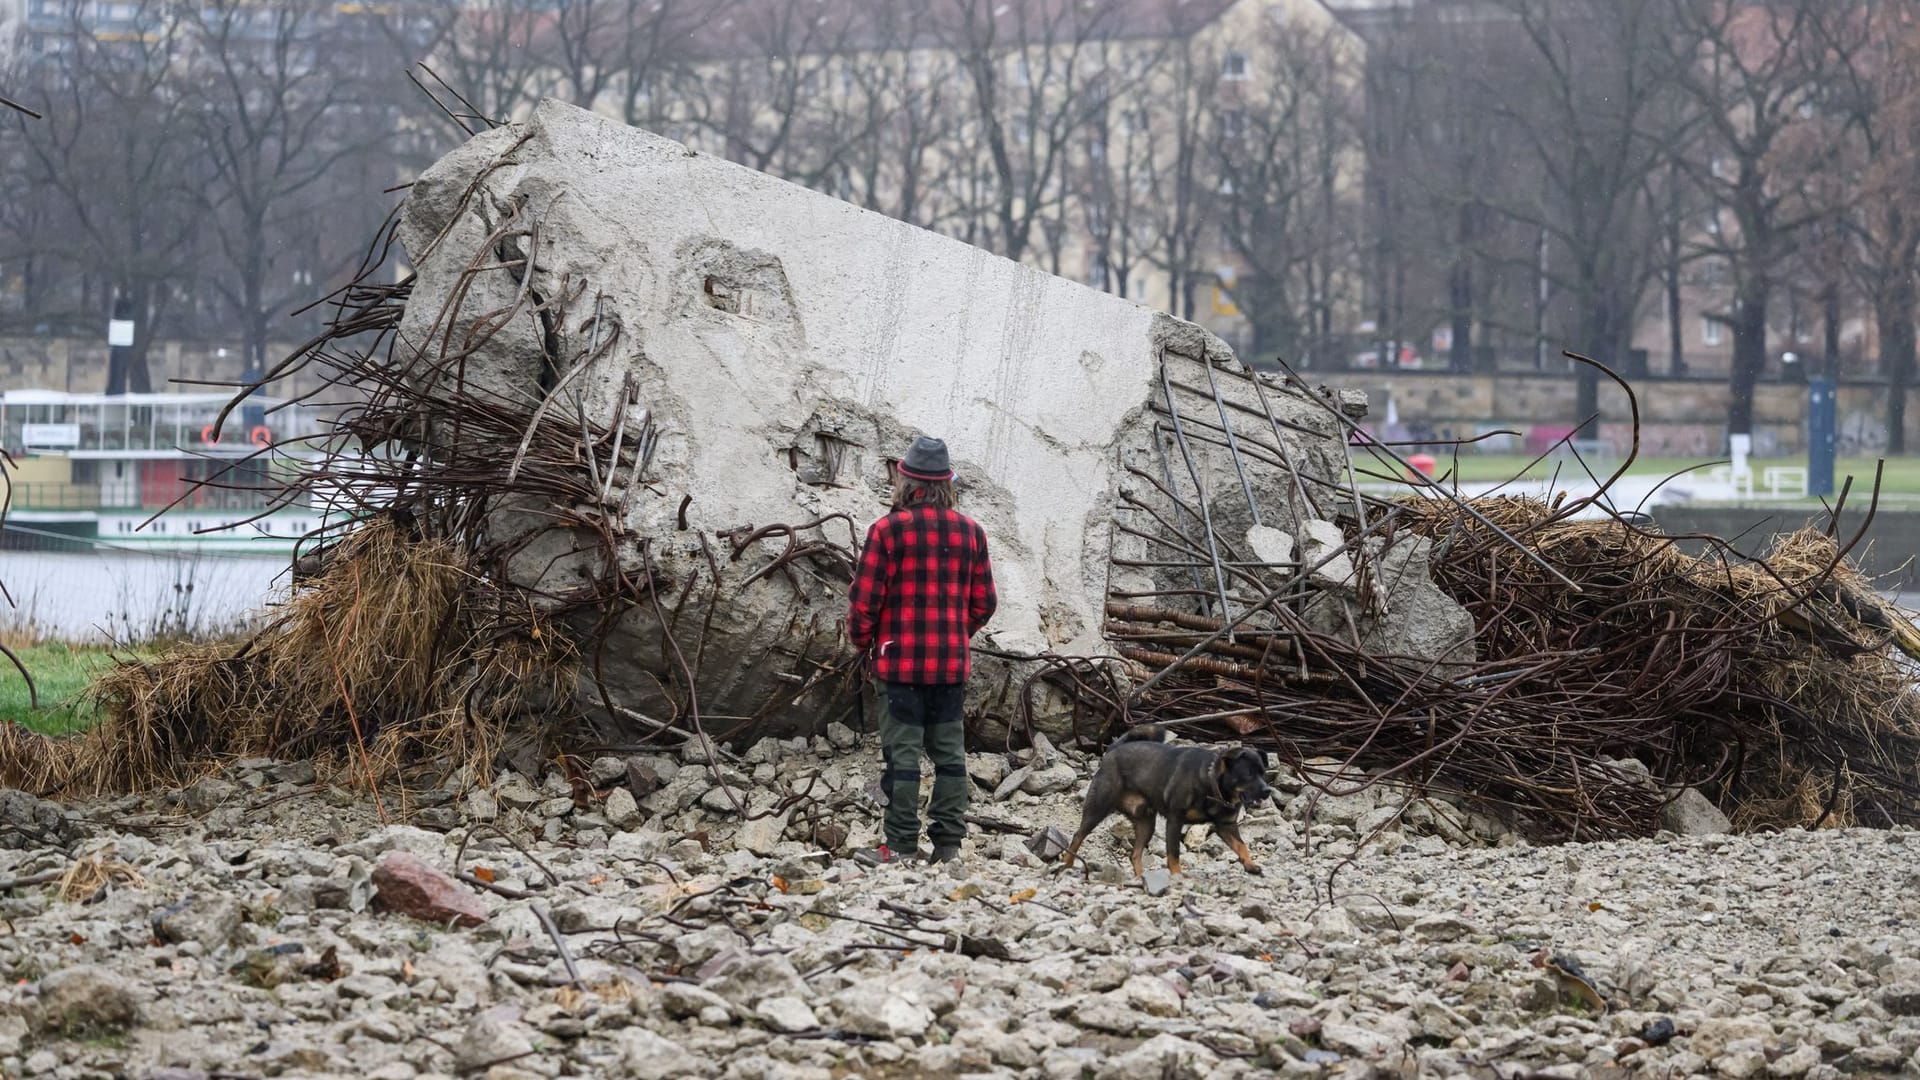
(625,922)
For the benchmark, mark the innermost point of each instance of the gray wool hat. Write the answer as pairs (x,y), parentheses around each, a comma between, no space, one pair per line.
(926,460)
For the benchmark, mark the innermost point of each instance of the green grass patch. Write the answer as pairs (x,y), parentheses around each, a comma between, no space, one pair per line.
(60,672)
(1901,479)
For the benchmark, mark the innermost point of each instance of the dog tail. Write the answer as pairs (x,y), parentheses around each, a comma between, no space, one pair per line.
(1144,733)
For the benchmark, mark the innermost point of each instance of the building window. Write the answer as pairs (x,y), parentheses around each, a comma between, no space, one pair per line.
(1134,121)
(1233,123)
(1712,331)
(1233,65)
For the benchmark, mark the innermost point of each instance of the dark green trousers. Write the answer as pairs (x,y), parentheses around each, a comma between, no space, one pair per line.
(924,720)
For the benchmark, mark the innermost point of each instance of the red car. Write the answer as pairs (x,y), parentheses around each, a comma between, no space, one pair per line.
(1409,358)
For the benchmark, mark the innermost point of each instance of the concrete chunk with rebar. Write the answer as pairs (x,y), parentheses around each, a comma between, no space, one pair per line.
(740,359)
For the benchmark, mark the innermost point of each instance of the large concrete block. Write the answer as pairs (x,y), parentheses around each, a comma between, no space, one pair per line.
(783,346)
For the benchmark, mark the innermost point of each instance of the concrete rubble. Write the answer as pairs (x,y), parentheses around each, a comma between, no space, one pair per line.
(687,954)
(770,347)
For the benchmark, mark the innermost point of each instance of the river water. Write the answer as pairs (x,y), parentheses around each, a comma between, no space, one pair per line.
(113,595)
(117,595)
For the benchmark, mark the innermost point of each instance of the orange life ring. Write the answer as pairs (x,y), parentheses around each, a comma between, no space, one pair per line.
(208,435)
(260,436)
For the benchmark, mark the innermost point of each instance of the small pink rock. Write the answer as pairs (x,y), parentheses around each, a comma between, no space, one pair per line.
(406,885)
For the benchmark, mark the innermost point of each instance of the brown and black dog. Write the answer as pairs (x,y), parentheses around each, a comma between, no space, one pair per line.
(1143,777)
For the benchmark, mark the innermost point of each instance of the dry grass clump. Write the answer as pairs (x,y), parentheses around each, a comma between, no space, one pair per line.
(97,870)
(397,652)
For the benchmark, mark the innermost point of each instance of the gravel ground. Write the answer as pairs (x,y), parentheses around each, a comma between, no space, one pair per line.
(247,927)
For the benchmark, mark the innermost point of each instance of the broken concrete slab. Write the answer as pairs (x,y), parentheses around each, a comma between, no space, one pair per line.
(771,348)
(1323,554)
(1270,545)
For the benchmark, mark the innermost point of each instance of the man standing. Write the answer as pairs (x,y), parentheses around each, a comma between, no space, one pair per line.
(924,587)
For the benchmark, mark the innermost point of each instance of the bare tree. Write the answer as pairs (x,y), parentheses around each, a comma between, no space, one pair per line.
(653,57)
(783,101)
(1183,82)
(1115,193)
(1280,149)
(1598,109)
(1874,186)
(1756,73)
(908,97)
(1675,205)
(495,54)
(110,168)
(282,108)
(1435,165)
(1029,66)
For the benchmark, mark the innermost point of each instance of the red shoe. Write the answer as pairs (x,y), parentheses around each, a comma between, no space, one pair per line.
(877,856)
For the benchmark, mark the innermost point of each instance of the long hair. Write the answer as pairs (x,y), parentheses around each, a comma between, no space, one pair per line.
(910,492)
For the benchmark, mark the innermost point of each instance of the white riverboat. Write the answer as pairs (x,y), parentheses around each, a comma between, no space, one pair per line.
(150,472)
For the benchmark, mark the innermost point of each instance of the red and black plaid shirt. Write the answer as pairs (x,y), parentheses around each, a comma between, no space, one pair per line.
(924,587)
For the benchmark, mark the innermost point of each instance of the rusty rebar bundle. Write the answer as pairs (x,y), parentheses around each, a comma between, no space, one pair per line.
(1600,644)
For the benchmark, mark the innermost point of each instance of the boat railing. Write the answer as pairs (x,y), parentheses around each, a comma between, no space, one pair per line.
(47,495)
(149,424)
(50,495)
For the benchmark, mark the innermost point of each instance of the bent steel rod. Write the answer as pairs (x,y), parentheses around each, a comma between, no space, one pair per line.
(1293,467)
(1180,512)
(1227,628)
(1352,426)
(1206,512)
(1233,444)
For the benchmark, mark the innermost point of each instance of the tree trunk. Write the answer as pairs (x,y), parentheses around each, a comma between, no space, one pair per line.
(1586,404)
(1676,330)
(1749,355)
(1460,297)
(1597,335)
(1895,314)
(146,308)
(117,354)
(1460,291)
(253,317)
(1273,329)
(1830,325)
